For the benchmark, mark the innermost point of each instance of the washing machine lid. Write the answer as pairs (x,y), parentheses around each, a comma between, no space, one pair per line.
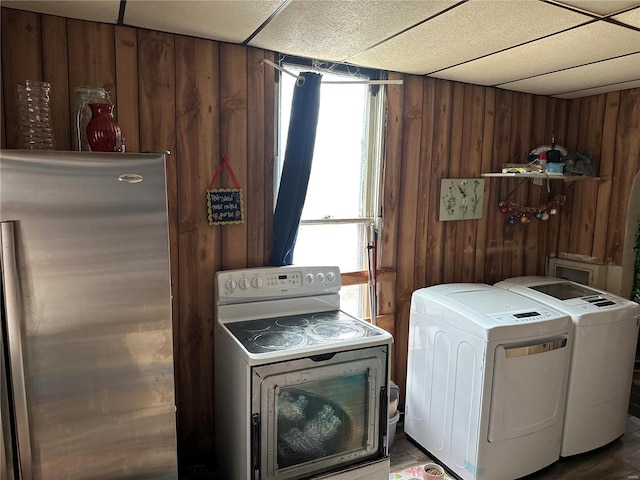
(487,311)
(586,305)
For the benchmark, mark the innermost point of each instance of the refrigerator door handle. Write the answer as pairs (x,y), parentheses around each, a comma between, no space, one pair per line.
(12,308)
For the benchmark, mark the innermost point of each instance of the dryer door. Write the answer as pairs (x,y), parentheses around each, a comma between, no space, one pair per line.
(529,387)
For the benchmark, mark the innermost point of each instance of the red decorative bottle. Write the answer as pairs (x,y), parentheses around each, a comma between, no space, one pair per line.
(103,133)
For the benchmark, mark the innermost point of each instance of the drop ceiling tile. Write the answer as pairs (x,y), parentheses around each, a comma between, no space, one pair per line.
(599,90)
(601,7)
(105,11)
(469,31)
(336,29)
(609,72)
(224,20)
(565,50)
(632,17)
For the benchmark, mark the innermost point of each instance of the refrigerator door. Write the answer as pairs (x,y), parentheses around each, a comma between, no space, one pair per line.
(93,311)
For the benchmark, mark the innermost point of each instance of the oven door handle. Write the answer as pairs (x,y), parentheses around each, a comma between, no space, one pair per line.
(255,445)
(384,421)
(322,357)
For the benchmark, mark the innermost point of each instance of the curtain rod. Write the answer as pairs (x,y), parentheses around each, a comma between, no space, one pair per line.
(365,82)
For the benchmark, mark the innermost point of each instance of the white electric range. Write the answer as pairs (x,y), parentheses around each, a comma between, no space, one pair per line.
(299,383)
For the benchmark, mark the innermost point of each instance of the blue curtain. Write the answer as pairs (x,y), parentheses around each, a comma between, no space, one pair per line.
(298,155)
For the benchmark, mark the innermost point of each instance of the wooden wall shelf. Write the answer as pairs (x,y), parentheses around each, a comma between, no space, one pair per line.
(523,177)
(549,176)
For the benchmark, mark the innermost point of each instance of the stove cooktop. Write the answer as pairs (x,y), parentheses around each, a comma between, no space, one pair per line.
(296,331)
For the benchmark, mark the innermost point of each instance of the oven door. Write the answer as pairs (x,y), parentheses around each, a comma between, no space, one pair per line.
(320,413)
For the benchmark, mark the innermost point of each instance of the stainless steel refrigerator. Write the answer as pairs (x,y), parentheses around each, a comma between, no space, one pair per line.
(87,389)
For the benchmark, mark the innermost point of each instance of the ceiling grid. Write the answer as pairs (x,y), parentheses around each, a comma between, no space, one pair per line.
(560,48)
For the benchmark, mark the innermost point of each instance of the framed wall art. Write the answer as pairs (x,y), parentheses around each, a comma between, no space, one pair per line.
(461,198)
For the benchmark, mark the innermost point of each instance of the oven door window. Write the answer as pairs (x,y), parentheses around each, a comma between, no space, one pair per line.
(315,419)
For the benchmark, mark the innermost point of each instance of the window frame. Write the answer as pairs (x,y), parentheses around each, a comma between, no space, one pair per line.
(373,151)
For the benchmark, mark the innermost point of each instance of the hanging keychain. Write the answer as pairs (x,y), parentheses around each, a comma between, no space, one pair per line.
(225,206)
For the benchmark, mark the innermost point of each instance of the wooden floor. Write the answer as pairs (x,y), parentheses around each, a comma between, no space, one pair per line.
(619,460)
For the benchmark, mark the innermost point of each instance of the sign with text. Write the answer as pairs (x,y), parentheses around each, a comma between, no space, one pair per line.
(225,206)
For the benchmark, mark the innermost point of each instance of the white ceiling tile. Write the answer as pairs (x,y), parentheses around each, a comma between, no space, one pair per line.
(632,17)
(601,7)
(336,29)
(599,90)
(564,50)
(224,20)
(105,11)
(532,46)
(618,70)
(469,31)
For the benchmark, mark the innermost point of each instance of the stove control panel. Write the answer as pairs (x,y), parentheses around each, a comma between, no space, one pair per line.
(275,282)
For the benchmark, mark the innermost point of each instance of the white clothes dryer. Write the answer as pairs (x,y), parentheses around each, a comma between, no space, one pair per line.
(486,380)
(603,357)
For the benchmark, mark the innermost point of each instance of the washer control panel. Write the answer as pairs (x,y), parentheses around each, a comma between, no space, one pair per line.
(275,282)
(525,316)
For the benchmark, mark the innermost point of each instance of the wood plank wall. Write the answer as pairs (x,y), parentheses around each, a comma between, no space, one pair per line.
(199,99)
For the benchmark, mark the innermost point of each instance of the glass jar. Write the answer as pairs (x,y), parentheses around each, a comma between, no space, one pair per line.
(82,113)
(34,116)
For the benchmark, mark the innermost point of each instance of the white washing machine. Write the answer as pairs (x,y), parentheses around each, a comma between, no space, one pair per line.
(604,349)
(486,380)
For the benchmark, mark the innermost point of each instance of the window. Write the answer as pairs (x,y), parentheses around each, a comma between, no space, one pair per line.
(342,201)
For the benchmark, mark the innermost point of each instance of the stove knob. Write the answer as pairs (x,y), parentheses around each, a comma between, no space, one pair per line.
(331,276)
(231,284)
(320,277)
(256,282)
(243,283)
(309,278)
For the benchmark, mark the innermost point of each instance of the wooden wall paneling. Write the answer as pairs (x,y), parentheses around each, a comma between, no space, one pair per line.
(574,109)
(55,65)
(584,208)
(256,209)
(501,140)
(197,120)
(557,112)
(521,121)
(452,268)
(535,239)
(412,131)
(270,96)
(127,110)
(21,60)
(423,225)
(626,166)
(91,57)
(566,212)
(557,122)
(605,172)
(156,92)
(439,170)
(391,190)
(233,143)
(562,220)
(470,167)
(489,206)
